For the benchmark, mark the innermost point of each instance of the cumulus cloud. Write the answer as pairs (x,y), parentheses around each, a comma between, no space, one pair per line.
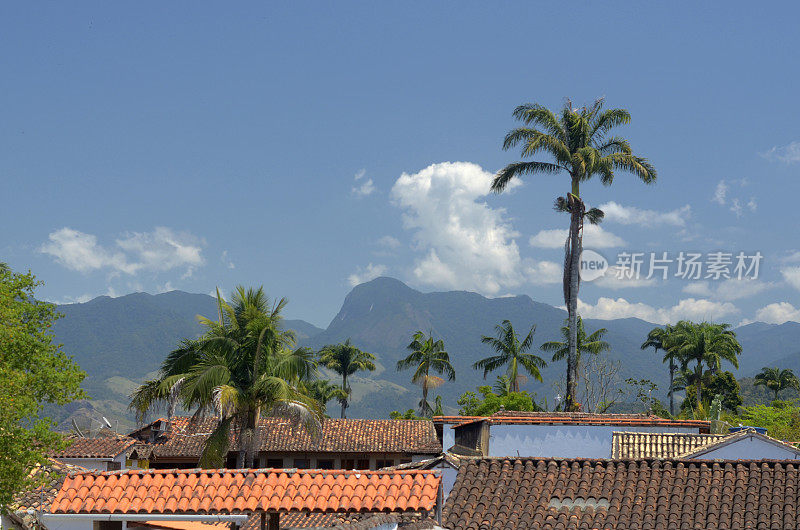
(788,154)
(226,260)
(792,276)
(720,193)
(610,280)
(365,274)
(689,309)
(392,243)
(593,237)
(630,215)
(362,187)
(464,244)
(160,250)
(728,290)
(778,313)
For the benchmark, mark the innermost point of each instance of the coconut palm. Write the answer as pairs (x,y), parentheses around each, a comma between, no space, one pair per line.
(657,339)
(345,359)
(324,391)
(592,344)
(776,379)
(579,145)
(428,357)
(703,344)
(243,366)
(511,353)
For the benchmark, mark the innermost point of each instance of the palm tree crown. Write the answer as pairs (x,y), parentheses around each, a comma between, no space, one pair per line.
(579,143)
(776,379)
(657,339)
(592,344)
(429,357)
(244,364)
(345,359)
(511,353)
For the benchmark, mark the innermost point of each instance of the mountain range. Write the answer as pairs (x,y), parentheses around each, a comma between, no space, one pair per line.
(121,341)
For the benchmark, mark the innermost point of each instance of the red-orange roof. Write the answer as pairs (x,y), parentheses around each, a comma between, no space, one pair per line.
(585,418)
(99,447)
(201,491)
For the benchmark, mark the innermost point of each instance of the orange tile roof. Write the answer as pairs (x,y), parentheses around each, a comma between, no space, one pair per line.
(585,418)
(100,447)
(187,437)
(201,491)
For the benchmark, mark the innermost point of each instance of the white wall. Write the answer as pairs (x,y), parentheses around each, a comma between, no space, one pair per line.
(53,522)
(561,441)
(448,437)
(751,448)
(99,464)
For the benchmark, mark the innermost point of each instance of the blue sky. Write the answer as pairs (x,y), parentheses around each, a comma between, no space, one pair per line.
(183,146)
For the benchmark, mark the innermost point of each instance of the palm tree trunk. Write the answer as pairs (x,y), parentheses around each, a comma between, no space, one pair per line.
(423,409)
(699,386)
(344,399)
(514,386)
(572,285)
(671,385)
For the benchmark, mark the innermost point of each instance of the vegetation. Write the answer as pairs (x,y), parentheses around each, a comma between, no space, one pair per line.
(243,366)
(493,400)
(781,419)
(512,354)
(579,144)
(324,391)
(429,357)
(33,371)
(656,339)
(346,360)
(776,380)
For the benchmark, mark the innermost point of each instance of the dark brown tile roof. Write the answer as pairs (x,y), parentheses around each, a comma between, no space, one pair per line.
(100,447)
(658,445)
(187,437)
(49,478)
(548,494)
(211,491)
(585,418)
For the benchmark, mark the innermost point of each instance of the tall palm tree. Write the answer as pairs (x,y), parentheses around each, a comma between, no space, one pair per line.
(592,344)
(579,144)
(429,357)
(704,344)
(243,366)
(345,359)
(776,379)
(324,391)
(657,339)
(512,354)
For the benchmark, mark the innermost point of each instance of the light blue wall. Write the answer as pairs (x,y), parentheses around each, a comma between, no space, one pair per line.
(561,441)
(750,449)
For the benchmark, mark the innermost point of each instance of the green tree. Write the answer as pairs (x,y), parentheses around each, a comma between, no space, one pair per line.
(324,391)
(722,385)
(704,344)
(243,366)
(428,357)
(579,143)
(512,354)
(33,371)
(345,359)
(472,405)
(592,344)
(776,379)
(657,339)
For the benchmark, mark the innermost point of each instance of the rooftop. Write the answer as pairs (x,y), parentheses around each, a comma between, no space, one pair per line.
(99,447)
(658,445)
(222,491)
(187,437)
(586,418)
(517,493)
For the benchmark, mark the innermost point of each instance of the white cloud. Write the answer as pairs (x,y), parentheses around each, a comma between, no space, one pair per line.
(465,244)
(720,193)
(593,237)
(160,250)
(689,309)
(787,154)
(226,260)
(365,274)
(630,215)
(728,290)
(736,207)
(778,313)
(543,272)
(392,243)
(792,276)
(752,205)
(610,280)
(365,188)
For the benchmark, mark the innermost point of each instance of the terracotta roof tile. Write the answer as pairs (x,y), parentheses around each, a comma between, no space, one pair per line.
(658,445)
(632,494)
(187,437)
(50,477)
(100,447)
(245,490)
(585,418)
